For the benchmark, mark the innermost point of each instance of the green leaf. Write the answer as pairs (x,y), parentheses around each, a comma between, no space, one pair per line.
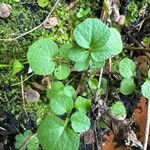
(91,33)
(78,54)
(33,144)
(104,85)
(43,3)
(40,56)
(146,89)
(117,109)
(53,135)
(80,122)
(61,104)
(26,140)
(69,91)
(127,86)
(62,72)
(56,87)
(127,68)
(83,104)
(64,50)
(93,83)
(96,65)
(81,66)
(112,47)
(16,67)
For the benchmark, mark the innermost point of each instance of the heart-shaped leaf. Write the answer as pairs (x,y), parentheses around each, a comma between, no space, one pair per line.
(82,104)
(80,122)
(53,135)
(127,68)
(40,56)
(61,104)
(127,86)
(62,72)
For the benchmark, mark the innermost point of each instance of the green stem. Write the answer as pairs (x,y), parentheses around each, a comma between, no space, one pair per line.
(4,65)
(67,119)
(18,83)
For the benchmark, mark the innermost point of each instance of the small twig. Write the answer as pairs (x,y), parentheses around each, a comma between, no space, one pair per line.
(147,127)
(18,83)
(35,28)
(132,38)
(137,49)
(22,94)
(2,129)
(99,84)
(110,64)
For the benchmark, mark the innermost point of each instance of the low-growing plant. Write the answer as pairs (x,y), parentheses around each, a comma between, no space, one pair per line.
(118,110)
(127,70)
(27,140)
(94,43)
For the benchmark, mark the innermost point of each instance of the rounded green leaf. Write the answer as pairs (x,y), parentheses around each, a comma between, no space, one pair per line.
(43,3)
(16,66)
(78,54)
(146,89)
(62,72)
(93,83)
(64,50)
(56,88)
(127,86)
(61,104)
(83,104)
(91,33)
(127,68)
(53,135)
(112,47)
(96,65)
(40,56)
(33,144)
(81,66)
(69,91)
(117,109)
(80,122)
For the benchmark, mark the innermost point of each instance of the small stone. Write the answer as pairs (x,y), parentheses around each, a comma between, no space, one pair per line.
(5,10)
(32,95)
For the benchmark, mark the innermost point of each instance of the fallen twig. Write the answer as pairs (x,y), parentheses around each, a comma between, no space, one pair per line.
(35,28)
(137,49)
(147,127)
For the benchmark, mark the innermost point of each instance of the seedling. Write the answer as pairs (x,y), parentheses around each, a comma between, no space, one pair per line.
(127,69)
(27,140)
(94,43)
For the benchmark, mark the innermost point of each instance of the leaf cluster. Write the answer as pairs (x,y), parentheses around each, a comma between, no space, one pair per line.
(127,69)
(94,43)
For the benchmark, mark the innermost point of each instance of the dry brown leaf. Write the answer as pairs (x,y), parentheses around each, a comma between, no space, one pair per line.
(89,137)
(38,86)
(46,81)
(139,117)
(143,63)
(70,6)
(110,144)
(51,22)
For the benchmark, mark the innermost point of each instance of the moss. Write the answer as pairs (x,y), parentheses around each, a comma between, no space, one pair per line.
(133,10)
(25,15)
